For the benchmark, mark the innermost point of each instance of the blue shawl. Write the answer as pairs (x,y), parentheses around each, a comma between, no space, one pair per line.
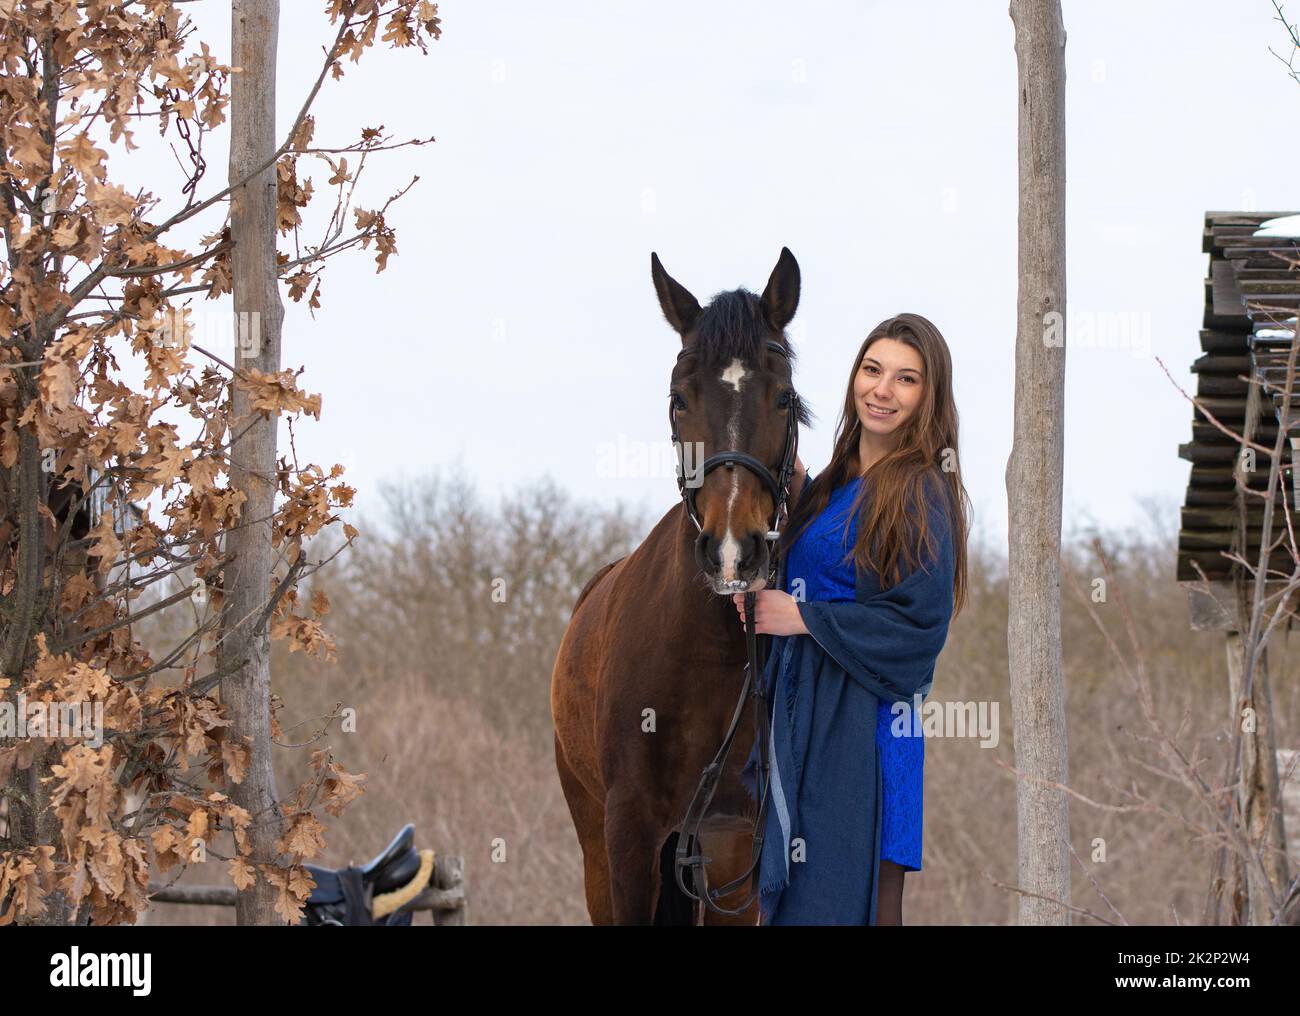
(824,691)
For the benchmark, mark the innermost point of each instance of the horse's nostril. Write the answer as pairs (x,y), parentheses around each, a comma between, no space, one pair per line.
(707,552)
(752,553)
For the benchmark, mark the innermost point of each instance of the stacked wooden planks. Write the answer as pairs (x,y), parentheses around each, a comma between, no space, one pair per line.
(1252,291)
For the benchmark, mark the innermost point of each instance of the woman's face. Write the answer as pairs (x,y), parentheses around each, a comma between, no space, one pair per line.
(888,387)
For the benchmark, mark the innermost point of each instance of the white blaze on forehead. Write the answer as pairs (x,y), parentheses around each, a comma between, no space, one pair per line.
(735,374)
(729,552)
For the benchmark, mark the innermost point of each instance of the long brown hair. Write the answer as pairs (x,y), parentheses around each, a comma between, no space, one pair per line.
(894,489)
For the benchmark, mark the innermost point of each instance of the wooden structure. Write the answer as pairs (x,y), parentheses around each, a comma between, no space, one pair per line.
(1252,292)
(1249,292)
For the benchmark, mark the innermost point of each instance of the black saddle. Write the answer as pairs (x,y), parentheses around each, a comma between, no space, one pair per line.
(343,895)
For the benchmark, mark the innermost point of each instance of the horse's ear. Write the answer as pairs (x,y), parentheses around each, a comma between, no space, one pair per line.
(781,297)
(679,307)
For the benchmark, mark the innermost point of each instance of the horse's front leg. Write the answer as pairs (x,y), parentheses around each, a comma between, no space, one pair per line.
(632,838)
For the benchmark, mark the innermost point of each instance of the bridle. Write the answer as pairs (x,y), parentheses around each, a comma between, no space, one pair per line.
(689,855)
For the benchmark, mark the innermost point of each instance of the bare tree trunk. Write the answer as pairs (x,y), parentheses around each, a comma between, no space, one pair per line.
(1034,470)
(245,655)
(30,609)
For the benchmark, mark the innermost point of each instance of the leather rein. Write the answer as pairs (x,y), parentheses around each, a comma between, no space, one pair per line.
(689,853)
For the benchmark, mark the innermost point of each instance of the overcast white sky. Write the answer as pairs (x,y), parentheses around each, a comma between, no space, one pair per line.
(517,329)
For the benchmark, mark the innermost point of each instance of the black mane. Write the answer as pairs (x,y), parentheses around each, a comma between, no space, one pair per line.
(733,325)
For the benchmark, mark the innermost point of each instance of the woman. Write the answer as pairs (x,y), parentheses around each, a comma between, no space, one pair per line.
(874,558)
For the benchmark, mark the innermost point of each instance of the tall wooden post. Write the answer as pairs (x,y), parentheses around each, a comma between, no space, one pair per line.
(1258,793)
(1035,468)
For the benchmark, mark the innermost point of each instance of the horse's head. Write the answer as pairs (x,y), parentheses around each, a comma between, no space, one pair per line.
(731,392)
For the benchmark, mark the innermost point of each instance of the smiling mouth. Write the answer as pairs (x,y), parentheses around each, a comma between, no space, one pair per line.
(879,411)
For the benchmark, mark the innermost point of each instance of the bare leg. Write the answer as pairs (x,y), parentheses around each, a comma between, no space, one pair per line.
(889,896)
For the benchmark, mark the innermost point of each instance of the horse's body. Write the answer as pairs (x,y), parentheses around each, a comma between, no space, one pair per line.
(649,672)
(646,635)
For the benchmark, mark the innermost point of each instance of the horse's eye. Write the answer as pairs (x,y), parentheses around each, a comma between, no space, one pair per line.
(678,401)
(784,401)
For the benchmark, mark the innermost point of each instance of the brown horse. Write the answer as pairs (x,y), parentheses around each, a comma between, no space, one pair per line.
(652,663)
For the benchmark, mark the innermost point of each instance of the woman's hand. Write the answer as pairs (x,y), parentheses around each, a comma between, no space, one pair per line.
(775,613)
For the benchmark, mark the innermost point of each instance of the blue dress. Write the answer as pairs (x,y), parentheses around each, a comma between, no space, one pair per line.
(816,558)
(822,836)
